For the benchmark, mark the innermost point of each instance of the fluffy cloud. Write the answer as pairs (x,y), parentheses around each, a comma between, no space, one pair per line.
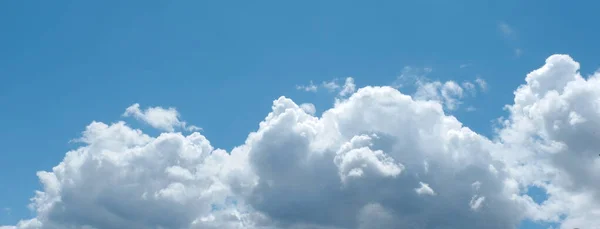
(377,159)
(554,129)
(123,178)
(295,171)
(158,117)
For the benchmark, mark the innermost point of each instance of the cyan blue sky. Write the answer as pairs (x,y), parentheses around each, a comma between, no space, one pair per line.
(222,63)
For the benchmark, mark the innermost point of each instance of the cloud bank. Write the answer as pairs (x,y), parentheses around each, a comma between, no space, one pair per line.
(377,159)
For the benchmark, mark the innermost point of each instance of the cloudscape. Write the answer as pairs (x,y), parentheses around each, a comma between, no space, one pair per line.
(377,159)
(201,116)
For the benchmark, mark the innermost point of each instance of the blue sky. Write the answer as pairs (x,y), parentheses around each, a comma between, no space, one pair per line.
(64,64)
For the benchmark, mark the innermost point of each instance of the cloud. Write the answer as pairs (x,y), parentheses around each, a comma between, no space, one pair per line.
(309,108)
(448,93)
(553,127)
(410,75)
(510,34)
(506,29)
(310,87)
(378,137)
(465,65)
(377,159)
(348,88)
(469,87)
(481,83)
(518,52)
(424,189)
(158,117)
(332,86)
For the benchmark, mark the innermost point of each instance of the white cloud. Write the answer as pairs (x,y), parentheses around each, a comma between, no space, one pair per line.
(331,85)
(449,93)
(349,87)
(378,137)
(518,52)
(469,87)
(465,65)
(510,34)
(378,159)
(553,129)
(410,76)
(311,87)
(158,117)
(476,202)
(309,108)
(506,29)
(424,189)
(482,84)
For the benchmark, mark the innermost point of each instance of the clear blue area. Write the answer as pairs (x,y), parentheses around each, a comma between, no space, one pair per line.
(538,194)
(528,224)
(221,63)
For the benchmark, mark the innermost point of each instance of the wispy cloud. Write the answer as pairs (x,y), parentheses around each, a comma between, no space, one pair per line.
(311,87)
(348,88)
(510,33)
(449,93)
(465,65)
(409,76)
(518,52)
(506,29)
(482,84)
(332,86)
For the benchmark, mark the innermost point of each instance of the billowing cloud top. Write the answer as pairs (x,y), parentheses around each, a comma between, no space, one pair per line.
(377,159)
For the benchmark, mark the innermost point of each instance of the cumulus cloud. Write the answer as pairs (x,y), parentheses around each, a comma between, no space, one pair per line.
(378,159)
(295,171)
(553,127)
(158,117)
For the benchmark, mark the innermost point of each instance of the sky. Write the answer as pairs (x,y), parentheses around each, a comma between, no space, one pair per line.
(135,107)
